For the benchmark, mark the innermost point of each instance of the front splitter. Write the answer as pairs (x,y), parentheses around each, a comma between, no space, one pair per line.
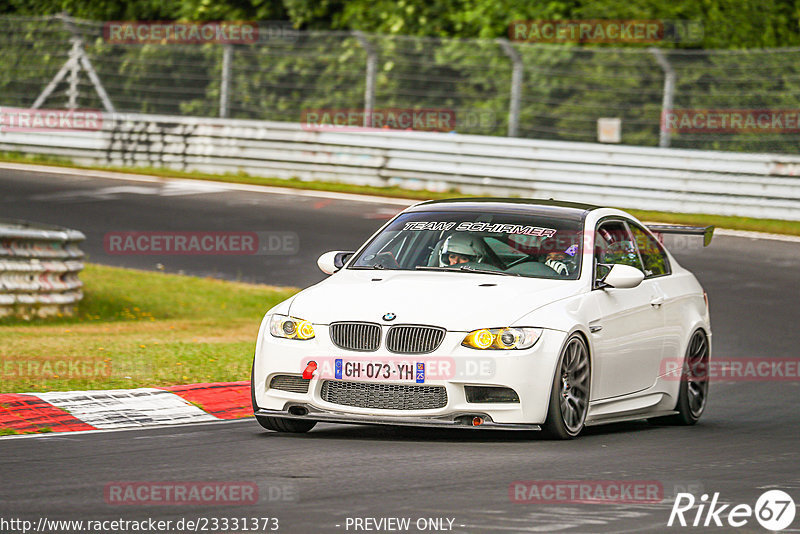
(449,421)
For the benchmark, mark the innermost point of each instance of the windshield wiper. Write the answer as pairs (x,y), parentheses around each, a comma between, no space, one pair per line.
(470,269)
(431,268)
(463,269)
(367,267)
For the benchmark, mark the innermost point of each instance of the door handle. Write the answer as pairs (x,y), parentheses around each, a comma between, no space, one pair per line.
(656,302)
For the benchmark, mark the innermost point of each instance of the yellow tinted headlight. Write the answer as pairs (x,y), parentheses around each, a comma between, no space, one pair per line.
(509,338)
(305,330)
(479,339)
(290,327)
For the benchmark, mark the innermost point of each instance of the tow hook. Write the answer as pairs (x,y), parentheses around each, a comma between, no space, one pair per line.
(308,374)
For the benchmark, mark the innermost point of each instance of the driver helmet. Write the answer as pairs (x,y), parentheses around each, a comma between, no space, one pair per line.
(462,244)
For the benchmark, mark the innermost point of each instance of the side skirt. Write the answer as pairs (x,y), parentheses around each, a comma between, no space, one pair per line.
(630,417)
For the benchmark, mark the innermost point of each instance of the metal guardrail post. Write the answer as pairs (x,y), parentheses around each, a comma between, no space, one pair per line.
(669,93)
(225,82)
(369,83)
(39,266)
(516,86)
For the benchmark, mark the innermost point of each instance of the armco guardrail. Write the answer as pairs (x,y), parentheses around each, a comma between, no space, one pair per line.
(678,180)
(39,266)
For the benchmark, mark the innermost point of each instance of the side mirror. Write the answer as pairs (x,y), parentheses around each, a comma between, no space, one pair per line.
(332,261)
(623,277)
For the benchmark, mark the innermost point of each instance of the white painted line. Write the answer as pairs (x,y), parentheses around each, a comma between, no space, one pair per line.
(315,194)
(51,169)
(224,186)
(190,187)
(119,408)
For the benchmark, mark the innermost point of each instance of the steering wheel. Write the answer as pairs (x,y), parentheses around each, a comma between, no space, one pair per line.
(386,260)
(524,259)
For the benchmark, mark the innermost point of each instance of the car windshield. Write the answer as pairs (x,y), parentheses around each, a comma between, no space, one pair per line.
(515,244)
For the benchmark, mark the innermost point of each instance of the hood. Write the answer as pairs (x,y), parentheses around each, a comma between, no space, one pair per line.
(457,301)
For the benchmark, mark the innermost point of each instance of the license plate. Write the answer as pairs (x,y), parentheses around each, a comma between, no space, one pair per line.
(386,370)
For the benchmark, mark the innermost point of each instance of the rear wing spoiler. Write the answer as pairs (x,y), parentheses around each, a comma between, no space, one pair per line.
(706,231)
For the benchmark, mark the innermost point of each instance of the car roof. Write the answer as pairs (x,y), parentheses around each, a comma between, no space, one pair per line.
(550,207)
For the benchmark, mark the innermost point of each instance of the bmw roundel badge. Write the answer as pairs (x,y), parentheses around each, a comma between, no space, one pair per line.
(389,317)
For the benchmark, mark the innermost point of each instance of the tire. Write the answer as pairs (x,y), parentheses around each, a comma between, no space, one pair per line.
(569,396)
(282,424)
(693,393)
(278,424)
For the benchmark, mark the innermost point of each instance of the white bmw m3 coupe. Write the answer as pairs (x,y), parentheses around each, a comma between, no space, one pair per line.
(491,313)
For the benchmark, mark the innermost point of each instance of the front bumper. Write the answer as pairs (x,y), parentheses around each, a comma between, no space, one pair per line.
(451,420)
(528,372)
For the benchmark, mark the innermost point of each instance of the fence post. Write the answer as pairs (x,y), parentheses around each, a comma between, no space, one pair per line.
(369,83)
(227,55)
(669,93)
(83,58)
(77,59)
(74,58)
(516,86)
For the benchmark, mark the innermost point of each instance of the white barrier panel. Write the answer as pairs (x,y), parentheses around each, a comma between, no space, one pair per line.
(39,266)
(663,179)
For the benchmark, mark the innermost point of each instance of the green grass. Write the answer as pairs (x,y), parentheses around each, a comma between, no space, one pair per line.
(737,223)
(135,329)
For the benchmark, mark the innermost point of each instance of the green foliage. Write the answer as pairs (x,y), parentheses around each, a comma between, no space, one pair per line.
(727,23)
(96,9)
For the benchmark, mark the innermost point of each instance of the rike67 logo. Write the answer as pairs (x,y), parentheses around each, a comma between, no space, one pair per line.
(774,510)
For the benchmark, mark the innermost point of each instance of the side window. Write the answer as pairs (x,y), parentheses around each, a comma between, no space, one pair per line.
(613,245)
(653,255)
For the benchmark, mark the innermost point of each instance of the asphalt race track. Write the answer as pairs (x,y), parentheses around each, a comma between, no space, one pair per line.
(748,440)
